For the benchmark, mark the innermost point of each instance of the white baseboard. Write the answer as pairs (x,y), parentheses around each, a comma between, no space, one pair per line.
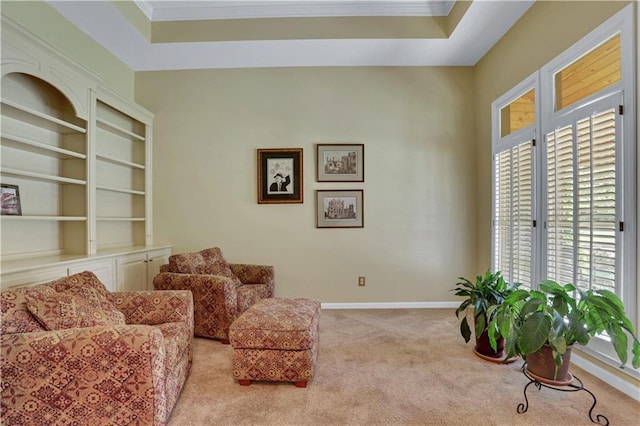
(391,305)
(624,386)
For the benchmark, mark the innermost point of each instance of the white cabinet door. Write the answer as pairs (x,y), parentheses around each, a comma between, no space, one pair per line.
(156,259)
(136,271)
(103,269)
(131,272)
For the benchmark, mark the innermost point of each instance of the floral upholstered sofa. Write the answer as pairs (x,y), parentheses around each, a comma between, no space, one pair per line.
(221,290)
(74,353)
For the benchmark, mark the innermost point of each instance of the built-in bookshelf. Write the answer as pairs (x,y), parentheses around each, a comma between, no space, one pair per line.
(44,153)
(79,156)
(122,174)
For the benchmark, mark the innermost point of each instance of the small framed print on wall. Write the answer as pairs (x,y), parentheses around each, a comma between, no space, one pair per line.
(10,200)
(340,162)
(280,176)
(339,209)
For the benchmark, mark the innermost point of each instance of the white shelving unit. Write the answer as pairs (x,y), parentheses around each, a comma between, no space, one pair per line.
(80,155)
(44,153)
(123,179)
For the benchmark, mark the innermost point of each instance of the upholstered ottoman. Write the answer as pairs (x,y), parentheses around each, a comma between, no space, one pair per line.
(276,340)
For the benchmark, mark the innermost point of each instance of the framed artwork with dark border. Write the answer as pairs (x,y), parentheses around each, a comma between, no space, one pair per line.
(340,162)
(280,176)
(340,208)
(10,200)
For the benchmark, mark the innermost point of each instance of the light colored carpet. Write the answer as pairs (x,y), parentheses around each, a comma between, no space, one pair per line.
(390,367)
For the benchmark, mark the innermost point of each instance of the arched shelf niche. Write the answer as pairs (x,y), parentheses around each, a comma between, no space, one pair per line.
(44,159)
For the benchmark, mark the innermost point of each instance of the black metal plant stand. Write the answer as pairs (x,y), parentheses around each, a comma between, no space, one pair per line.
(573,385)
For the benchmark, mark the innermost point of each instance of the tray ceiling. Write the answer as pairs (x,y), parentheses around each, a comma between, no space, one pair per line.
(238,9)
(161,35)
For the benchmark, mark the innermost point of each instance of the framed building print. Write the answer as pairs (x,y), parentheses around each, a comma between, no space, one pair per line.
(340,162)
(339,209)
(10,200)
(280,176)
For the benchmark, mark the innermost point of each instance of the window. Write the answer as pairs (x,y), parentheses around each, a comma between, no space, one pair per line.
(559,223)
(518,114)
(514,240)
(581,200)
(513,205)
(570,216)
(596,70)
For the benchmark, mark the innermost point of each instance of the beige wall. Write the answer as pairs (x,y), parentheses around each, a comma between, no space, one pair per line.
(419,189)
(546,30)
(47,24)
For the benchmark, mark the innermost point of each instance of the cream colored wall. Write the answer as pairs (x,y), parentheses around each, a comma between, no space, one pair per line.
(47,24)
(539,36)
(420,178)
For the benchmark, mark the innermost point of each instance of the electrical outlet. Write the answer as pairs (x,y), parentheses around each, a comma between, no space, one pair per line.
(360,281)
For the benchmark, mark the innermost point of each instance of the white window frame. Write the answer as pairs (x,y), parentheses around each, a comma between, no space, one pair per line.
(636,219)
(609,102)
(622,24)
(510,141)
(627,158)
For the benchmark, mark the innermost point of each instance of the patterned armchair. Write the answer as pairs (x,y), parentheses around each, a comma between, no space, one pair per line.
(74,353)
(221,290)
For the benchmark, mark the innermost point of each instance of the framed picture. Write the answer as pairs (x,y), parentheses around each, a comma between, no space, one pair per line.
(280,176)
(10,199)
(340,163)
(339,209)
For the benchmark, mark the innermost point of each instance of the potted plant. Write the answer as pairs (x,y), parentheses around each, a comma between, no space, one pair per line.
(488,291)
(542,327)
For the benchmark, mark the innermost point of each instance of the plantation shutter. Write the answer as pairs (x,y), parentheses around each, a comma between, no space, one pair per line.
(560,211)
(582,201)
(513,202)
(502,214)
(597,201)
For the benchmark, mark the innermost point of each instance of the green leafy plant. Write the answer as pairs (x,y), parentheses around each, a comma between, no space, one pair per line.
(561,316)
(489,290)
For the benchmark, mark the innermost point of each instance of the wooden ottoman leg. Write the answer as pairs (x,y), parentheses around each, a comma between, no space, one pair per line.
(244,382)
(301,384)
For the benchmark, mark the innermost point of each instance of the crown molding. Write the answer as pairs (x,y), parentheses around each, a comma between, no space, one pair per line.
(146,7)
(158,11)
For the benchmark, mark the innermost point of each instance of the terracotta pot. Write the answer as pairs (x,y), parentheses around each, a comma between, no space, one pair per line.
(483,346)
(541,364)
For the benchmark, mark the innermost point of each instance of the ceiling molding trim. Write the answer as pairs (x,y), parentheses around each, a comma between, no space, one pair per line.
(240,9)
(481,27)
(146,8)
(104,23)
